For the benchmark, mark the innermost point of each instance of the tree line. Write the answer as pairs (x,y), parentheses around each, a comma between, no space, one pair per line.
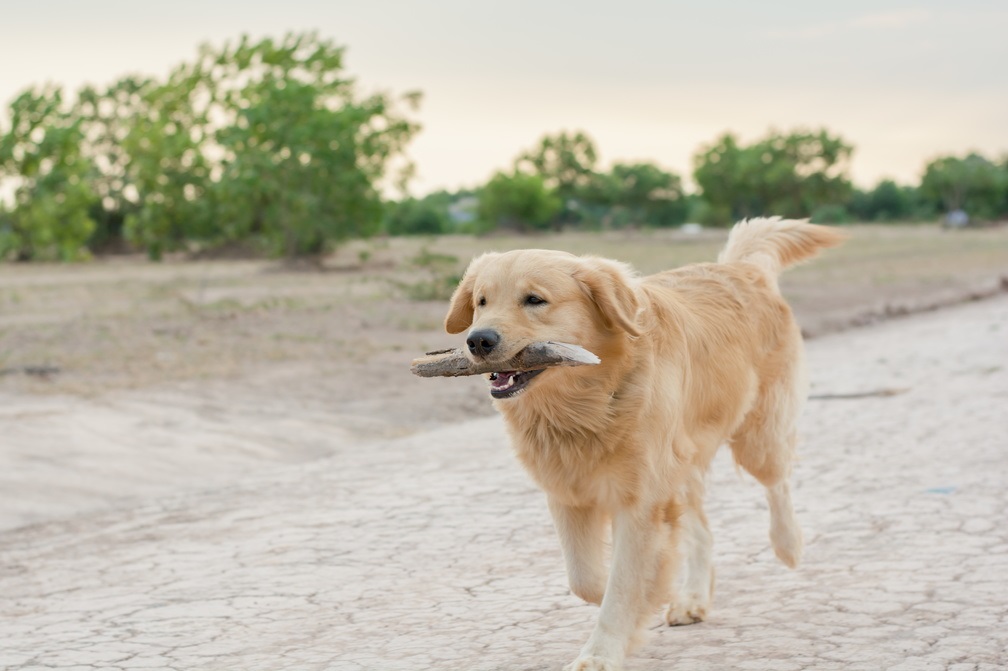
(800,173)
(265,144)
(269,147)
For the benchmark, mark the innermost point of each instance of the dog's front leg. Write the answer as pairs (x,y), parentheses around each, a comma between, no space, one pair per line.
(581,530)
(636,583)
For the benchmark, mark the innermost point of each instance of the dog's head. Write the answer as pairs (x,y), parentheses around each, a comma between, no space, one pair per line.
(506,301)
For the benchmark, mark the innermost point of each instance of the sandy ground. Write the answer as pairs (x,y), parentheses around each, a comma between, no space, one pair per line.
(433,551)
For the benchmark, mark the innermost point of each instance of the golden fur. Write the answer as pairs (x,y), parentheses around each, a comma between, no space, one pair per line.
(691,358)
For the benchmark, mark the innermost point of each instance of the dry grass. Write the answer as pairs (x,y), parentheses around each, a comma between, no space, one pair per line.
(126,322)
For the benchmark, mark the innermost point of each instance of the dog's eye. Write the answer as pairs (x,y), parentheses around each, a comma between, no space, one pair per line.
(482,300)
(532,299)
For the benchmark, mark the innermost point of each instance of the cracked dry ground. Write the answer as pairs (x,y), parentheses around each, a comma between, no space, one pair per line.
(434,551)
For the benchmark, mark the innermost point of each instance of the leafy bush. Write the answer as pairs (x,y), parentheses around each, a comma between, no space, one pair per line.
(889,201)
(519,202)
(830,214)
(417,217)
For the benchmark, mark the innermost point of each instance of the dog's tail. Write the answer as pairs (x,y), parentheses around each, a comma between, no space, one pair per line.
(774,244)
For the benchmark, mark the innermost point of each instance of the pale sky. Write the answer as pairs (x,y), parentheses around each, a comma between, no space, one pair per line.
(648,80)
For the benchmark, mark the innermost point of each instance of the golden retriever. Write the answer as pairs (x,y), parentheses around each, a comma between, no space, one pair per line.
(691,358)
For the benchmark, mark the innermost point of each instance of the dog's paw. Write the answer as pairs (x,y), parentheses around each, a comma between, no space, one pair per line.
(592,663)
(787,544)
(686,609)
(789,554)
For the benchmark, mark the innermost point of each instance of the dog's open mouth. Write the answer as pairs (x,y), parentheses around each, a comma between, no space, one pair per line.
(511,383)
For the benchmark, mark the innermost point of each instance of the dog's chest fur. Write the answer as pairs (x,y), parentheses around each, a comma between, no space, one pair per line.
(578,444)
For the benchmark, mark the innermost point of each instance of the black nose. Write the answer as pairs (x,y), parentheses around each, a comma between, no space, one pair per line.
(481,343)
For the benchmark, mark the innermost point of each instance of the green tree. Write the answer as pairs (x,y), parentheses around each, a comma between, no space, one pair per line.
(972,184)
(789,175)
(41,153)
(107,117)
(168,169)
(518,201)
(148,141)
(266,141)
(303,154)
(566,164)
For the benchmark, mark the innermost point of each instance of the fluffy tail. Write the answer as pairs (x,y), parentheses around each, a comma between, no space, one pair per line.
(774,244)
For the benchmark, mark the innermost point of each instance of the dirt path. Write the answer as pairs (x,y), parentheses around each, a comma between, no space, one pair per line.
(433,551)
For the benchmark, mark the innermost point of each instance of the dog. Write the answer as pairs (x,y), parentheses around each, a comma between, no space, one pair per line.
(691,358)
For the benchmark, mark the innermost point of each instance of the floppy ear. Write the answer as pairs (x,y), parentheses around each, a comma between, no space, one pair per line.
(609,285)
(460,309)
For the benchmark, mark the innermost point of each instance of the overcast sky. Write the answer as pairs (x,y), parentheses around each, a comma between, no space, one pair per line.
(648,80)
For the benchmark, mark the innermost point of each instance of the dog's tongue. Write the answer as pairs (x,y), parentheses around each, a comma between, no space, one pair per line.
(503,379)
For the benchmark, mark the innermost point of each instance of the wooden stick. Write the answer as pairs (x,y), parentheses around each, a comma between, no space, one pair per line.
(455,362)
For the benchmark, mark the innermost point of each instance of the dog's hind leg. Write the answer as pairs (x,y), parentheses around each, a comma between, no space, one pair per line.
(785,535)
(770,463)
